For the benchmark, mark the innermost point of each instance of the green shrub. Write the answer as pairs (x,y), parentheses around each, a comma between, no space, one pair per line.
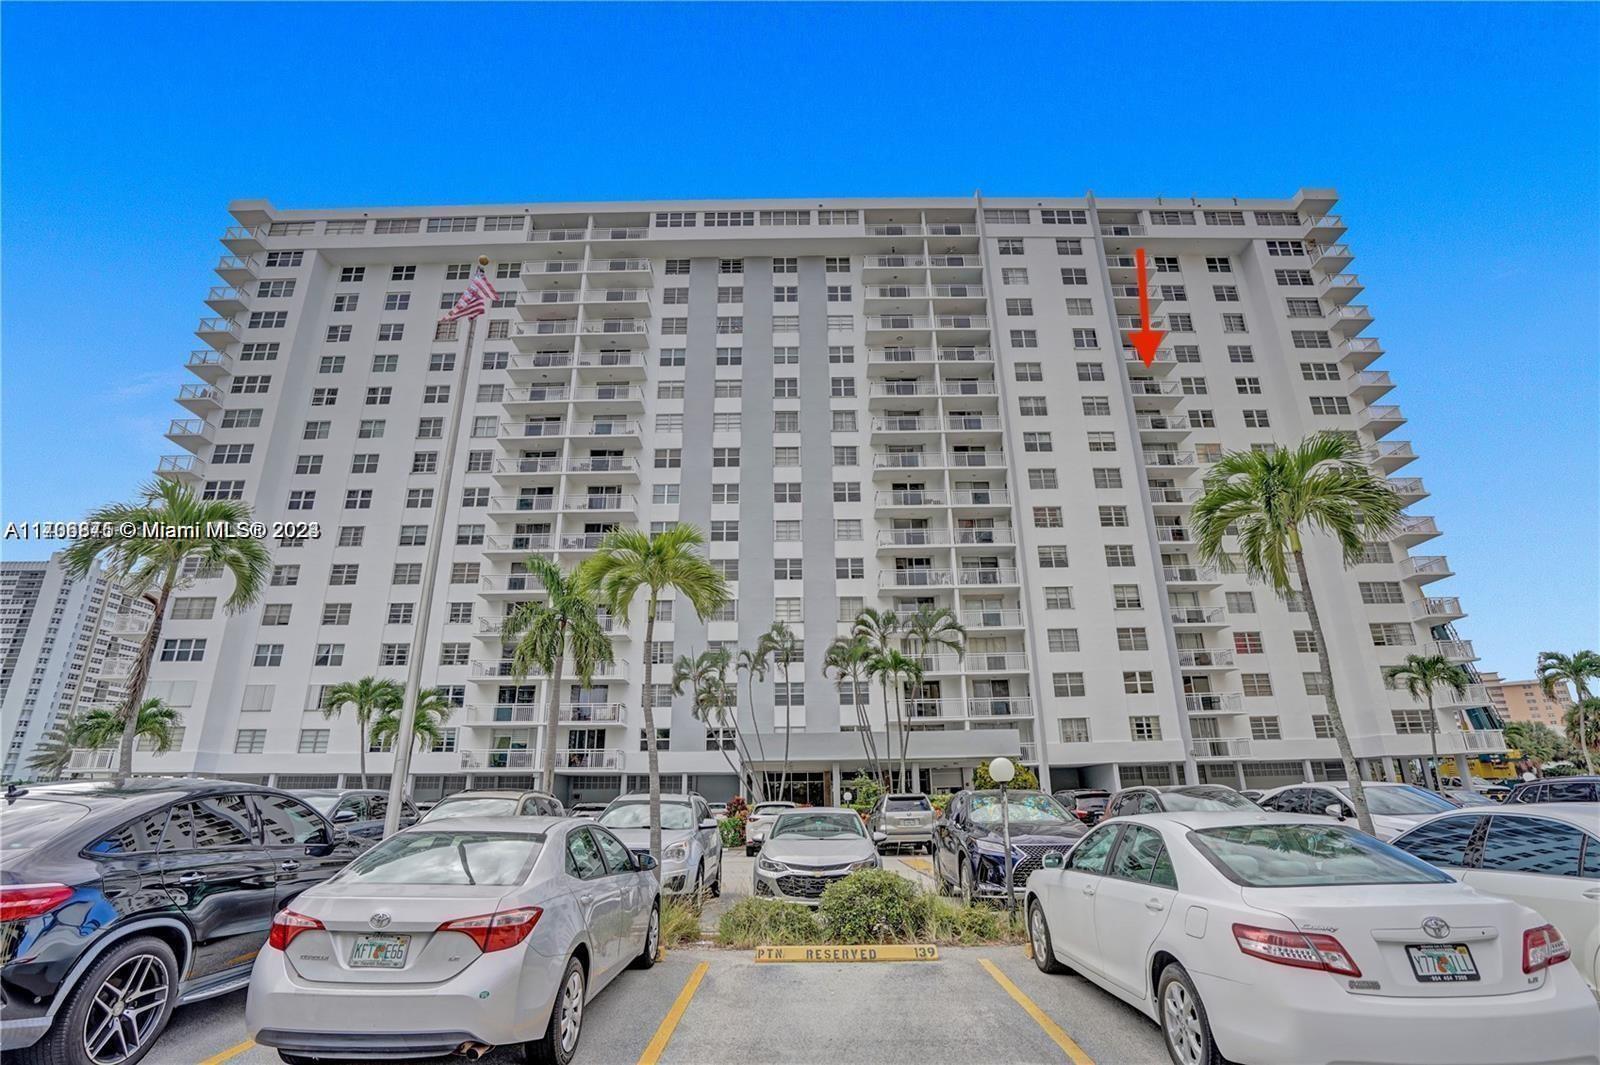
(947,921)
(680,921)
(1025,778)
(940,802)
(755,922)
(732,829)
(737,807)
(864,791)
(872,906)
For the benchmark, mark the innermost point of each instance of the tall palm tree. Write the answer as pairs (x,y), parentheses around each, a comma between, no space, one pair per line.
(156,722)
(369,696)
(1537,743)
(628,561)
(878,629)
(1419,675)
(433,710)
(928,631)
(847,658)
(54,751)
(1582,724)
(895,669)
(1577,669)
(149,564)
(784,650)
(565,624)
(1273,499)
(753,663)
(705,678)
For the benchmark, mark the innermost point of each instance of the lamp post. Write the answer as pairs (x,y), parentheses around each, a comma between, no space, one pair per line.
(1001,771)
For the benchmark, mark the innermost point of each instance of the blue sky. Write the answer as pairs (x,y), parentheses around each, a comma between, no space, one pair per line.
(1463,140)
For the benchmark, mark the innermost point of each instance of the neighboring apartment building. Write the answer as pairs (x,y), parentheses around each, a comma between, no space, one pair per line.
(65,646)
(1525,700)
(864,403)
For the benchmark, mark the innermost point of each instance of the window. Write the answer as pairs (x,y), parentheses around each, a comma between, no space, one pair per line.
(1310,338)
(1057,597)
(1053,556)
(786,492)
(1256,419)
(250,741)
(1126,597)
(1085,339)
(183,650)
(1132,638)
(1144,728)
(1256,685)
(1107,477)
(1380,593)
(1041,478)
(724,531)
(849,568)
(1265,728)
(1119,555)
(1029,371)
(1326,405)
(1067,685)
(1047,518)
(1062,641)
(268,654)
(1102,442)
(1024,338)
(1036,442)
(1096,407)
(1138,682)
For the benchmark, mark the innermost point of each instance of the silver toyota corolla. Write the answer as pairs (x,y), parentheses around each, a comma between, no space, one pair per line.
(457,936)
(808,849)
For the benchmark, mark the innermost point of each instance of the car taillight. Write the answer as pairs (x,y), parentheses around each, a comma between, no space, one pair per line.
(289,924)
(18,902)
(1543,947)
(1303,950)
(496,931)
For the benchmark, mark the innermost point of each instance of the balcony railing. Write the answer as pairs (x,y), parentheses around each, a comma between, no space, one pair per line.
(999,535)
(616,325)
(593,713)
(898,321)
(911,498)
(1179,496)
(1213,702)
(916,578)
(1431,566)
(961,321)
(520,504)
(905,424)
(979,576)
(1169,458)
(963,353)
(1206,658)
(592,759)
(1220,748)
(991,619)
(524,758)
(514,430)
(1021,706)
(980,497)
(1198,615)
(1189,574)
(1442,606)
(894,229)
(899,356)
(551,266)
(894,262)
(923,709)
(1454,650)
(914,537)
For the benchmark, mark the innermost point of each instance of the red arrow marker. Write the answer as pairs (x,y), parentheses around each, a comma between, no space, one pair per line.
(1145,340)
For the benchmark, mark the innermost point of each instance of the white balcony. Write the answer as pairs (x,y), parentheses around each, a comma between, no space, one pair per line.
(566,235)
(199,399)
(218,332)
(1122,229)
(937,709)
(952,229)
(1155,393)
(968,387)
(629,364)
(907,460)
(988,536)
(525,758)
(1390,455)
(967,261)
(1331,259)
(1349,320)
(1174,497)
(1380,419)
(1206,659)
(981,498)
(529,504)
(1205,575)
(243,240)
(905,424)
(593,713)
(894,229)
(544,327)
(1199,617)
(1020,706)
(1454,650)
(992,619)
(614,233)
(210,366)
(185,469)
(511,714)
(961,321)
(962,353)
(1174,534)
(1483,741)
(518,544)
(90,760)
(919,498)
(227,300)
(1158,426)
(958,291)
(896,292)
(535,430)
(532,269)
(1220,748)
(628,396)
(897,356)
(1214,703)
(1409,489)
(599,502)
(628,468)
(542,364)
(591,760)
(1174,460)
(1413,530)
(626,270)
(1340,288)
(1369,385)
(986,576)
(537,395)
(1421,569)
(976,662)
(893,538)
(1357,353)
(606,428)
(1435,609)
(898,322)
(894,262)
(191,433)
(973,460)
(971,423)
(616,326)
(238,269)
(916,578)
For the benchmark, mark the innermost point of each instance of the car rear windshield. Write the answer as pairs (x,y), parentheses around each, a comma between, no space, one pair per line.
(773,807)
(487,806)
(1308,856)
(913,804)
(27,823)
(1208,799)
(494,858)
(674,815)
(1404,801)
(1089,802)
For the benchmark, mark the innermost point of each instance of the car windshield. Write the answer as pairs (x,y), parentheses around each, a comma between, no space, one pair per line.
(637,815)
(913,804)
(323,804)
(1206,799)
(1403,801)
(1021,807)
(1308,856)
(483,806)
(818,825)
(1468,797)
(26,823)
(493,858)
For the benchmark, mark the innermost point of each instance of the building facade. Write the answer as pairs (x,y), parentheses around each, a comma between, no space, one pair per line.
(1525,700)
(864,403)
(66,646)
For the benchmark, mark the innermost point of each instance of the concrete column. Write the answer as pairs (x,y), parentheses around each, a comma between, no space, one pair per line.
(838,797)
(1238,774)
(1463,769)
(1305,769)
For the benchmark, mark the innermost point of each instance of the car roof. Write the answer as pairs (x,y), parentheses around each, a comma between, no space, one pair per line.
(114,791)
(826,810)
(496,793)
(1586,814)
(905,795)
(494,824)
(666,796)
(1200,819)
(341,791)
(1582,778)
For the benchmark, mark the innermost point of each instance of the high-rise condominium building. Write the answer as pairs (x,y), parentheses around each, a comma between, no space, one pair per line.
(1525,700)
(66,647)
(895,404)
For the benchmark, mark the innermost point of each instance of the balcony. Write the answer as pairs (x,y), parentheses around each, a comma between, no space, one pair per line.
(1369,385)
(981,498)
(1206,659)
(918,498)
(554,396)
(1390,455)
(1358,353)
(894,229)
(227,300)
(1409,489)
(959,291)
(1471,695)
(964,387)
(895,323)
(894,262)
(1340,289)
(625,468)
(185,469)
(90,760)
(967,261)
(1331,259)
(1159,426)
(972,423)
(1380,420)
(952,229)
(622,364)
(926,709)
(210,366)
(1122,229)
(1199,575)
(1213,617)
(1150,393)
(1220,748)
(1412,531)
(988,536)
(621,270)
(542,365)
(534,430)
(530,303)
(961,353)
(606,428)
(896,356)
(526,758)
(916,578)
(905,424)
(908,460)
(1174,534)
(517,544)
(992,619)
(243,240)
(902,389)
(1435,609)
(976,460)
(238,269)
(902,538)
(1453,650)
(613,502)
(566,235)
(896,292)
(592,714)
(523,504)
(504,714)
(1422,569)
(1349,320)
(630,299)
(1483,741)
(218,332)
(199,399)
(128,626)
(613,396)
(581,541)
(544,328)
(986,576)
(1170,460)
(1020,706)
(1214,703)
(533,269)
(976,662)
(191,433)
(590,760)
(1325,228)
(1173,497)
(961,321)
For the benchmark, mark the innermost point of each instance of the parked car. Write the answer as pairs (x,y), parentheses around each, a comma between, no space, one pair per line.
(357,812)
(761,817)
(1176,799)
(1557,789)
(905,819)
(587,810)
(144,895)
(808,849)
(1264,937)
(691,843)
(1468,797)
(495,804)
(969,856)
(1394,807)
(1546,857)
(1086,804)
(455,937)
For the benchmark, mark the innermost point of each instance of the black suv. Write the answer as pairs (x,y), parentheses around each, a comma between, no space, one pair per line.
(119,901)
(356,811)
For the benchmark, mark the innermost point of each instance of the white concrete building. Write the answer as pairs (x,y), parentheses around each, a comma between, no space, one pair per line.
(66,646)
(878,403)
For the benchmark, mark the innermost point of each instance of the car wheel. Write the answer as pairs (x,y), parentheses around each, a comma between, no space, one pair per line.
(1183,1020)
(1039,937)
(560,1040)
(116,1012)
(652,940)
(939,884)
(964,871)
(749,852)
(699,895)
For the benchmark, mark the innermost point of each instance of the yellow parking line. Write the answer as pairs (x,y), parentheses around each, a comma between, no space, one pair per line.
(229,1054)
(1073,1051)
(921,865)
(658,1042)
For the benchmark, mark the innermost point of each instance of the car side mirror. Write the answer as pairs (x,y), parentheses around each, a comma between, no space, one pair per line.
(710,822)
(1053,860)
(341,816)
(880,837)
(647,862)
(1334,809)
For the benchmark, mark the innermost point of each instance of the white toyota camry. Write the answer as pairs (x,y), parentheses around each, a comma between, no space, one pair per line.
(1266,938)
(454,937)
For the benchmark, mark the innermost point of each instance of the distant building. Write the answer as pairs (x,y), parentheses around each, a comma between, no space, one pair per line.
(1525,700)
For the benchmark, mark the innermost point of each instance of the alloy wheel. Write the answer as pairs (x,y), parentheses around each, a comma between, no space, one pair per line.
(1036,932)
(125,1010)
(1182,1023)
(571,1010)
(652,939)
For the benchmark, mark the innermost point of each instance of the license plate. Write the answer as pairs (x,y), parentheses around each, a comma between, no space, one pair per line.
(379,952)
(1445,963)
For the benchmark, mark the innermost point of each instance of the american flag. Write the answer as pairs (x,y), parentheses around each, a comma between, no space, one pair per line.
(474,301)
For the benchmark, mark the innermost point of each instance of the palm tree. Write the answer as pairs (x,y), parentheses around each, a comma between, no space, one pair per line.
(565,623)
(753,663)
(150,564)
(705,678)
(1537,743)
(1582,723)
(784,650)
(433,710)
(54,751)
(369,696)
(1272,499)
(1577,669)
(894,669)
(1419,675)
(847,658)
(627,561)
(928,631)
(878,629)
(156,722)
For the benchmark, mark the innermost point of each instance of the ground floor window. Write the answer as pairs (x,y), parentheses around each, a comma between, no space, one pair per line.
(1151,775)
(811,789)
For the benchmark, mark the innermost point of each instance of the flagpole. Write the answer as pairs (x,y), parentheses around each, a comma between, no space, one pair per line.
(430,573)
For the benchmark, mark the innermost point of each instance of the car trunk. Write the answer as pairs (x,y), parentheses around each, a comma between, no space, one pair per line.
(405,949)
(1398,943)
